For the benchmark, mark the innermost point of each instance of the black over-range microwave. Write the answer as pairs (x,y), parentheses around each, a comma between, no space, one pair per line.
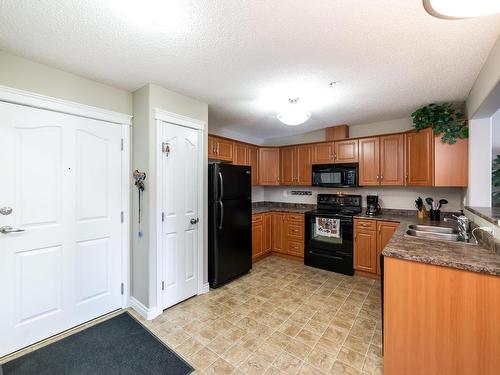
(335,175)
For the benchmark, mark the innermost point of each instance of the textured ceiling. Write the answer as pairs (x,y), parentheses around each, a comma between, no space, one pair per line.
(245,58)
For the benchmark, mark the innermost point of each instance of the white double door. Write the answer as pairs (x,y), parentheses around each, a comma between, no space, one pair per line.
(61,176)
(181,181)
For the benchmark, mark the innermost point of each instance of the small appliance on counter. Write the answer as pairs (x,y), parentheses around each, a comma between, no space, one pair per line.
(372,206)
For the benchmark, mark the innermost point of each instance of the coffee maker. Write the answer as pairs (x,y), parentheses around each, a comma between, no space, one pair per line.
(372,206)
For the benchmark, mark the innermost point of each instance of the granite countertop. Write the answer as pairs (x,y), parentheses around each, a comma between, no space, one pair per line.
(475,258)
(491,214)
(297,208)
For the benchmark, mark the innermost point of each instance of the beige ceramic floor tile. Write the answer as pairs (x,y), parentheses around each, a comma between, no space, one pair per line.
(287,363)
(351,357)
(203,358)
(219,367)
(340,368)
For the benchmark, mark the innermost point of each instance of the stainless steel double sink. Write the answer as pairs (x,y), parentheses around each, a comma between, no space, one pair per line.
(436,233)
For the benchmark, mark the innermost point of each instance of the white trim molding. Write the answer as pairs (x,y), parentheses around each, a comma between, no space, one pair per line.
(205,288)
(31,99)
(174,118)
(146,313)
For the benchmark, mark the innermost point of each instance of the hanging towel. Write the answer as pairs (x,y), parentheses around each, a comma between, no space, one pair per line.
(327,227)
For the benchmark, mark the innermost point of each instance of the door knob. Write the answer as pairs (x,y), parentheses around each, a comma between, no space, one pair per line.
(7,229)
(5,210)
(194,221)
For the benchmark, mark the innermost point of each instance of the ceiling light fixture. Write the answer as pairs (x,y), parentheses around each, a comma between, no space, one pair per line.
(294,114)
(453,9)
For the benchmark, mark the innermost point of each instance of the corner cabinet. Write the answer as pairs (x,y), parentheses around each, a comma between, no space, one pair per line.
(253,161)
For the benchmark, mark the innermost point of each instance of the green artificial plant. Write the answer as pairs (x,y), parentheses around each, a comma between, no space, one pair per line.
(443,119)
(496,180)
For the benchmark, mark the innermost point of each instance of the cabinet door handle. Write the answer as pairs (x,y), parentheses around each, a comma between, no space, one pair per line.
(381,177)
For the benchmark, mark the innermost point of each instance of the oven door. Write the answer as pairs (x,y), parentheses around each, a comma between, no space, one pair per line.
(339,241)
(327,251)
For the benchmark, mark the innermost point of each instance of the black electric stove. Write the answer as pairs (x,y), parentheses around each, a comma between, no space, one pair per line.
(329,233)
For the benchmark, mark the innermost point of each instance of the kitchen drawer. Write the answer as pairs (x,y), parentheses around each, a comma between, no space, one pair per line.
(295,248)
(365,224)
(299,218)
(295,230)
(257,218)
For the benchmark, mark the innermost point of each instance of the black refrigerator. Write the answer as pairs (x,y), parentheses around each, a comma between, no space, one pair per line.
(230,222)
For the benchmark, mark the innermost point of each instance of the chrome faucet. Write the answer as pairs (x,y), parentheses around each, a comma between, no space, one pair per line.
(463,226)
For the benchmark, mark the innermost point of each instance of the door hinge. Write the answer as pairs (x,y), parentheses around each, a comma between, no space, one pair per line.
(163,216)
(121,144)
(163,285)
(122,288)
(122,218)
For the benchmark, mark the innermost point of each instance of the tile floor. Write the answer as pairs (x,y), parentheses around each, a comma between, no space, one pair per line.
(282,318)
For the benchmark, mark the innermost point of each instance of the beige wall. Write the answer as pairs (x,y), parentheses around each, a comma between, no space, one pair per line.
(390,197)
(146,100)
(24,74)
(487,80)
(360,130)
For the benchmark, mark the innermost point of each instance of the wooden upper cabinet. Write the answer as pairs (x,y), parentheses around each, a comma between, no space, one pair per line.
(220,148)
(419,157)
(392,158)
(385,230)
(224,149)
(240,152)
(323,153)
(369,161)
(288,165)
(212,147)
(304,165)
(269,166)
(253,160)
(346,151)
(338,132)
(450,163)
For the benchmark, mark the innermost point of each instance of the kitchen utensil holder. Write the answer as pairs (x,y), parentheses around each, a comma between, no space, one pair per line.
(435,215)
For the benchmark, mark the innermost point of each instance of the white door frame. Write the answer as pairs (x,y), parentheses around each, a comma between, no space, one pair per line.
(31,99)
(173,118)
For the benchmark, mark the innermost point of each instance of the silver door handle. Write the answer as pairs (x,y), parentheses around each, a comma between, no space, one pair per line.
(194,221)
(7,229)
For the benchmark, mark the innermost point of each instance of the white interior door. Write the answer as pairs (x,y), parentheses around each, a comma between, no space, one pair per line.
(180,186)
(61,176)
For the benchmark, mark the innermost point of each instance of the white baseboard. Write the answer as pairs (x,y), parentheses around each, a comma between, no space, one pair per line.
(205,288)
(146,313)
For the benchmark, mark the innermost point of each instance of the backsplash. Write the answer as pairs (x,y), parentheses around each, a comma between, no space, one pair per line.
(389,197)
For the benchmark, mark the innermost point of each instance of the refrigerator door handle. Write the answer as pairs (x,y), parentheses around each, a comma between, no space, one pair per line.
(221,181)
(221,214)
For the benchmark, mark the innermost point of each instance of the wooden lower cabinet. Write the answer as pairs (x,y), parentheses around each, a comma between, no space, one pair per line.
(257,236)
(365,248)
(278,242)
(279,232)
(385,230)
(370,238)
(268,232)
(440,320)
